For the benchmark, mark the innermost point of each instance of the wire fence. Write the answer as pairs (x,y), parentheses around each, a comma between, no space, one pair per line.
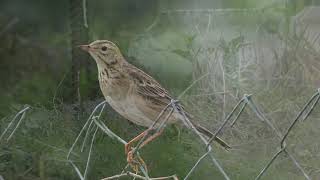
(246,103)
(94,123)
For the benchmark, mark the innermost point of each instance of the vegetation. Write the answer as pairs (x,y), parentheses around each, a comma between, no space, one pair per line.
(227,53)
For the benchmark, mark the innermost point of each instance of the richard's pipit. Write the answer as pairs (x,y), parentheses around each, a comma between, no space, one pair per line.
(131,92)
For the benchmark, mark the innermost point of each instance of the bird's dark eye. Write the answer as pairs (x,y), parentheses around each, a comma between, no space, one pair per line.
(104,48)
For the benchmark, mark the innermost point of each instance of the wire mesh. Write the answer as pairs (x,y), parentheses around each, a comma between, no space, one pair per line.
(94,123)
(245,103)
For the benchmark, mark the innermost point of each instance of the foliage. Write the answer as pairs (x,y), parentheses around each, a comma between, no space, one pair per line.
(178,48)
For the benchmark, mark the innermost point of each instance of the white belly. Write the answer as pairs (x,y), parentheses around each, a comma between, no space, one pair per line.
(128,109)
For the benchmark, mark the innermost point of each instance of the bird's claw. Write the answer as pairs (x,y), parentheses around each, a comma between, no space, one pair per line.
(127,148)
(135,162)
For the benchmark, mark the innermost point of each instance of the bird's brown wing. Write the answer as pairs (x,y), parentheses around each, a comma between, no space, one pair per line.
(148,87)
(152,91)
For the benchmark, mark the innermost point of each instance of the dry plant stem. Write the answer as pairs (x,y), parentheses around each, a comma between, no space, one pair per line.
(99,124)
(77,170)
(86,136)
(91,118)
(106,130)
(85,125)
(90,152)
(130,174)
(22,114)
(83,177)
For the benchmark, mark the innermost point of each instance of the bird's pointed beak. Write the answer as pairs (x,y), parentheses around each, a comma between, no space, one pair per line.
(85,47)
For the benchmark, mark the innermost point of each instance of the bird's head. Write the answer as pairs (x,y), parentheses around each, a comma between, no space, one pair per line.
(103,52)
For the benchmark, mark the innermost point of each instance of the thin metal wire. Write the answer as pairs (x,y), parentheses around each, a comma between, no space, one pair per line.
(174,107)
(315,100)
(228,118)
(260,115)
(300,114)
(269,164)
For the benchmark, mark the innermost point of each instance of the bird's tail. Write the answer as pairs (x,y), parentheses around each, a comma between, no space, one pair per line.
(202,129)
(209,134)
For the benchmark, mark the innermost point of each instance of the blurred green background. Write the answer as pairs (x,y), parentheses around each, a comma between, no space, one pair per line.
(266,48)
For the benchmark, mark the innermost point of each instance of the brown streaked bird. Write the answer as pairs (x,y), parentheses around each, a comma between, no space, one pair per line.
(131,92)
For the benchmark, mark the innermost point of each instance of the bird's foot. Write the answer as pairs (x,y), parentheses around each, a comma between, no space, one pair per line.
(127,148)
(136,162)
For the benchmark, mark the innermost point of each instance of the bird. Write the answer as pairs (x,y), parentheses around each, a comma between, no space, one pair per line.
(133,93)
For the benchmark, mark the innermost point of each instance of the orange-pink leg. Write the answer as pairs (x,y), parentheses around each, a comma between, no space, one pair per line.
(127,147)
(130,159)
(151,138)
(145,142)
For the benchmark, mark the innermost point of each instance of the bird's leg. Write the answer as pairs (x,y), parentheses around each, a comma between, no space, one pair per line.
(127,147)
(151,138)
(145,142)
(130,156)
(134,163)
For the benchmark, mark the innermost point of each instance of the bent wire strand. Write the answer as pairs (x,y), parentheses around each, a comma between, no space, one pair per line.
(314,101)
(240,106)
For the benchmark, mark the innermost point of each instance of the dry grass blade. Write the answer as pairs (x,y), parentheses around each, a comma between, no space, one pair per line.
(102,105)
(20,114)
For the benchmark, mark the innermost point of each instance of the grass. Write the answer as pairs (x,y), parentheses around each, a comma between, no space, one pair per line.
(281,80)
